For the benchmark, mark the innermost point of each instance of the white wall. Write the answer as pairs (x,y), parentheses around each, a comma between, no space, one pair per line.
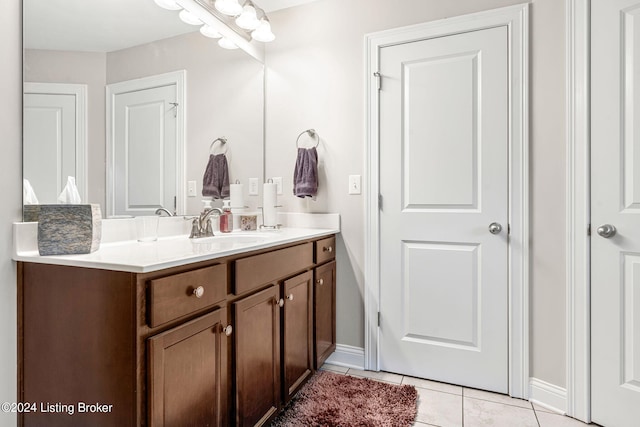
(315,79)
(11,207)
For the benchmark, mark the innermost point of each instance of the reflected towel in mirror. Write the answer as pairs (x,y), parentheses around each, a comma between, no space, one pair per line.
(305,176)
(215,182)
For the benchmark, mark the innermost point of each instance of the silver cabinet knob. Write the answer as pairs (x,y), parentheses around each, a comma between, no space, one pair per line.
(290,297)
(228,330)
(320,281)
(327,249)
(607,231)
(495,228)
(279,302)
(198,292)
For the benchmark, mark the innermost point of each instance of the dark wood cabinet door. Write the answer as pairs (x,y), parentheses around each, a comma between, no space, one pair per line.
(257,356)
(324,312)
(298,332)
(189,374)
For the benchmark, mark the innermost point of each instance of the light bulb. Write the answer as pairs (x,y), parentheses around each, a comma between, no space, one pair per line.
(210,32)
(189,18)
(227,44)
(228,7)
(168,4)
(248,19)
(263,32)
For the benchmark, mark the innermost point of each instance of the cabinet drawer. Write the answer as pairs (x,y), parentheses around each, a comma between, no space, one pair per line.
(265,268)
(178,295)
(325,249)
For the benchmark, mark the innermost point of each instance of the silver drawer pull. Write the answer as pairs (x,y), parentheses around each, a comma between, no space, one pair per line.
(228,330)
(198,292)
(320,281)
(290,297)
(327,249)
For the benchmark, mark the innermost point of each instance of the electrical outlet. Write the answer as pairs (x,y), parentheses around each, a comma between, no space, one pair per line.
(253,186)
(192,190)
(354,184)
(278,182)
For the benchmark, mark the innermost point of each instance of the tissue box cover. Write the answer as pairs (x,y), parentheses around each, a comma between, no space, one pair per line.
(248,222)
(69,229)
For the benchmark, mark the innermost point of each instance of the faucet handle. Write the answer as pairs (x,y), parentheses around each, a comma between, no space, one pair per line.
(209,229)
(195,228)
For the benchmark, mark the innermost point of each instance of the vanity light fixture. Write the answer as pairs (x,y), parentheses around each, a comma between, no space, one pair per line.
(168,4)
(210,32)
(227,44)
(263,33)
(228,7)
(189,18)
(248,19)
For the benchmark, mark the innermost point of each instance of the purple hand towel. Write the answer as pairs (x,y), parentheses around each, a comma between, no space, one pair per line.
(305,176)
(215,182)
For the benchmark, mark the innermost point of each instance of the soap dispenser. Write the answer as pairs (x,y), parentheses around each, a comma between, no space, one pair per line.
(226,219)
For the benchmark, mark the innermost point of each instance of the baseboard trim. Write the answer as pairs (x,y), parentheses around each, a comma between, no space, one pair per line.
(347,356)
(548,395)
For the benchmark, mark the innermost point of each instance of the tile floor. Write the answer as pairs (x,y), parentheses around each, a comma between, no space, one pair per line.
(447,405)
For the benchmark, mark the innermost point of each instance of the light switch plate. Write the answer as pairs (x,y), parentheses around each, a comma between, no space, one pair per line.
(278,182)
(355,182)
(253,186)
(192,190)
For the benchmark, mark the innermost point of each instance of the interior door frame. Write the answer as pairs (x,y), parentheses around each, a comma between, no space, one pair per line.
(516,19)
(79,92)
(578,211)
(179,78)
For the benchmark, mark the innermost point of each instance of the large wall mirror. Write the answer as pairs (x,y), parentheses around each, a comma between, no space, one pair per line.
(128,99)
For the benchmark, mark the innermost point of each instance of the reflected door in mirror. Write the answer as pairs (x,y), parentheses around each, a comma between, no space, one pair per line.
(53,138)
(144,151)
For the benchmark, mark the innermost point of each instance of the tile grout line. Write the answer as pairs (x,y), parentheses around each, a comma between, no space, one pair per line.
(462,405)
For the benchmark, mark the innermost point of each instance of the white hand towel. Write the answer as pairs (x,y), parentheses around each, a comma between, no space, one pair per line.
(28,195)
(70,195)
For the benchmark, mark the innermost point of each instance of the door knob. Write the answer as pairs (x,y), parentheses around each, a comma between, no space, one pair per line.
(607,231)
(228,330)
(495,228)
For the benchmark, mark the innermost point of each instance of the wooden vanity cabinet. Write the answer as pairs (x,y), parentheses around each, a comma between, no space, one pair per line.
(257,357)
(188,373)
(297,330)
(215,343)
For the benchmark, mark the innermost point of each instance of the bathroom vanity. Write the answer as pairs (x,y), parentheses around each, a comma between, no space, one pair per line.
(225,335)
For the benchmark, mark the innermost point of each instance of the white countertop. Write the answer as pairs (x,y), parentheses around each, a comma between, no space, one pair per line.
(168,251)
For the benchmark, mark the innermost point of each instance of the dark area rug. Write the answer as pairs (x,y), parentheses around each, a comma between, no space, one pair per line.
(334,400)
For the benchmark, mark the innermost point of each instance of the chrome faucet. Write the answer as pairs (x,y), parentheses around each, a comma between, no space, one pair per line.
(159,211)
(201,226)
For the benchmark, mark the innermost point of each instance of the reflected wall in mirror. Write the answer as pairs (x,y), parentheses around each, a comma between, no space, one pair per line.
(78,51)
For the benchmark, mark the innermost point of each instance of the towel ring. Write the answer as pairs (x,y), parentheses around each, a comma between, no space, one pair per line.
(312,133)
(223,142)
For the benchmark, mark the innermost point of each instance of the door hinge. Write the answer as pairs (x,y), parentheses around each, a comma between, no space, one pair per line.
(380,201)
(588,229)
(379,77)
(379,319)
(508,229)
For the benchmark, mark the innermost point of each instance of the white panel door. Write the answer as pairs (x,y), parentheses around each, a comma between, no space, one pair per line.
(49,143)
(444,180)
(615,200)
(144,151)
